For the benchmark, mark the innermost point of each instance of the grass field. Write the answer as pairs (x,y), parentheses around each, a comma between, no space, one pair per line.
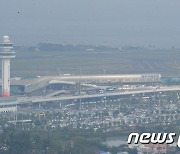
(164,61)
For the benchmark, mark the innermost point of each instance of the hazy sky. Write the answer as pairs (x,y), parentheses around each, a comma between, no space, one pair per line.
(122,22)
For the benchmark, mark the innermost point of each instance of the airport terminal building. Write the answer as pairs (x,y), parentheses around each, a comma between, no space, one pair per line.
(27,86)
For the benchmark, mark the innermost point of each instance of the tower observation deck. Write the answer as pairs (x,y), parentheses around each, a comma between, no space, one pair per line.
(6,54)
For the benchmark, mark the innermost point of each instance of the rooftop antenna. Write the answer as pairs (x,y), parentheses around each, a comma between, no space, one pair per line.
(59,72)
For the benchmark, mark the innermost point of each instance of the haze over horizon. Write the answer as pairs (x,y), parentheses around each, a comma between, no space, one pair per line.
(122,22)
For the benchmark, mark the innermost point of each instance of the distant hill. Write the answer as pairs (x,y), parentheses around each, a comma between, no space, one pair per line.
(63,47)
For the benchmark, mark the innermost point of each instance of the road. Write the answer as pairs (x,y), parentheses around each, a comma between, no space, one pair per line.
(31,100)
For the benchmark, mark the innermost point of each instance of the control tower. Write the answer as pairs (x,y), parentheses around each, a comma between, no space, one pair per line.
(6,54)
